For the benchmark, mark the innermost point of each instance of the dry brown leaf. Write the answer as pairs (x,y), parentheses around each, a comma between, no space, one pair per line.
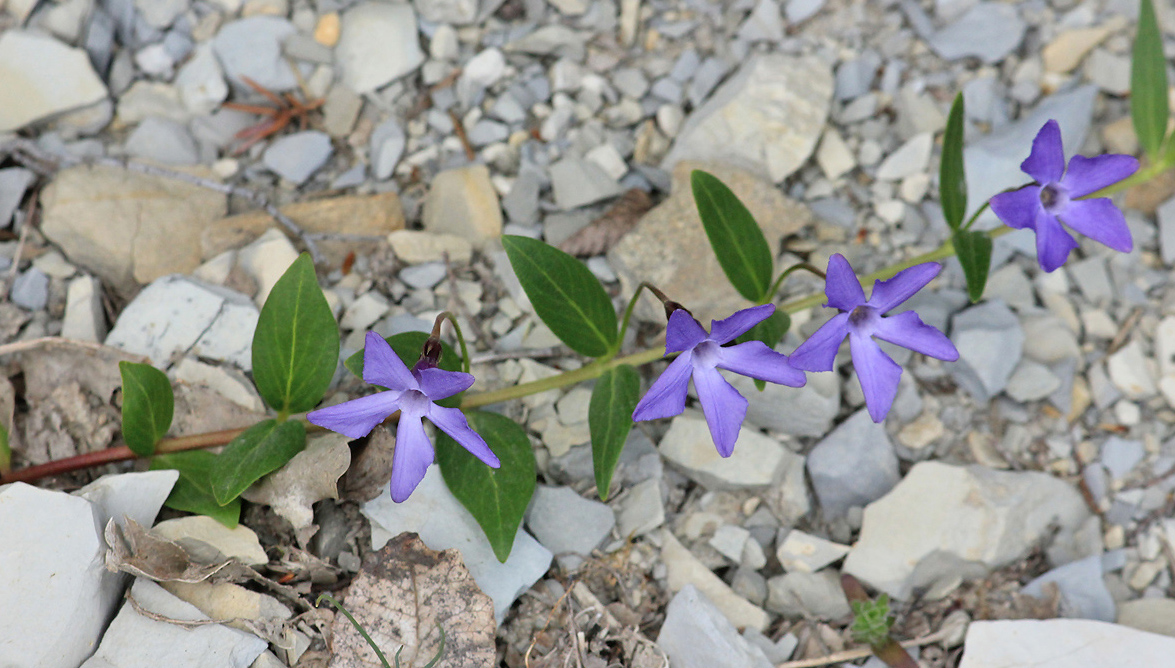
(137,551)
(599,235)
(311,476)
(402,596)
(371,468)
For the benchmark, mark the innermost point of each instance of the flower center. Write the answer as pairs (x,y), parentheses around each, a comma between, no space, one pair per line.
(860,315)
(705,354)
(414,402)
(1050,196)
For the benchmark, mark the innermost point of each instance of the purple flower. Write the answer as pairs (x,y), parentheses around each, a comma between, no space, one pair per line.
(701,356)
(862,320)
(414,394)
(1054,199)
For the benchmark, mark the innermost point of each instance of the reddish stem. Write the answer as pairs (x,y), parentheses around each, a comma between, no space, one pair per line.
(119,454)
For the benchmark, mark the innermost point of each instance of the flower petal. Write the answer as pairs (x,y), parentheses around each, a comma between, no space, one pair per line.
(413,455)
(1046,162)
(907,330)
(1053,243)
(723,407)
(383,367)
(841,285)
(666,397)
(756,360)
(1017,208)
(356,418)
(1099,220)
(725,331)
(439,384)
(890,293)
(1086,175)
(453,422)
(682,332)
(819,352)
(879,375)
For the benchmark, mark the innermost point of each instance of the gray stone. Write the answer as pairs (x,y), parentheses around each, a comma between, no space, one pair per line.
(564,521)
(135,640)
(989,31)
(1032,381)
(297,156)
(163,140)
(424,276)
(697,635)
(706,79)
(1131,372)
(1109,71)
(854,77)
(909,159)
(576,183)
(14,181)
(853,466)
(798,411)
(160,13)
(550,40)
(641,509)
(1120,456)
(763,24)
(443,523)
(387,146)
(201,82)
(85,319)
(30,290)
(252,47)
(40,77)
(765,119)
(800,595)
(943,524)
(521,204)
(1166,213)
(456,12)
(1153,615)
(798,11)
(757,461)
(805,553)
(1083,591)
(1063,643)
(990,343)
(684,569)
(379,44)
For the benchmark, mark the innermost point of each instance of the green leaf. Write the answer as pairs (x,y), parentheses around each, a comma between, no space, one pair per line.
(5,451)
(770,332)
(147,406)
(974,251)
(952,179)
(1148,83)
(296,345)
(734,235)
(407,346)
(193,490)
(260,449)
(565,294)
(497,498)
(610,419)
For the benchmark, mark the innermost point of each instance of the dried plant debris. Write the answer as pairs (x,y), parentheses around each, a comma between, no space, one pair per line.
(404,595)
(602,233)
(311,476)
(137,551)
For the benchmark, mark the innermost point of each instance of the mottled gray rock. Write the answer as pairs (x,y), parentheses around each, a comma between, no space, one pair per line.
(578,182)
(30,290)
(853,466)
(989,31)
(990,343)
(201,81)
(641,509)
(1083,591)
(252,47)
(943,524)
(697,635)
(40,77)
(564,521)
(163,140)
(297,156)
(1063,643)
(14,181)
(379,44)
(765,119)
(798,411)
(800,594)
(757,461)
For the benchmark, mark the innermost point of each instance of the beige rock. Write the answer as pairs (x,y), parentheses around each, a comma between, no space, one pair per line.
(209,541)
(266,260)
(1155,615)
(463,202)
(834,156)
(230,602)
(418,247)
(685,569)
(128,228)
(327,31)
(669,248)
(371,216)
(1067,49)
(1119,136)
(41,77)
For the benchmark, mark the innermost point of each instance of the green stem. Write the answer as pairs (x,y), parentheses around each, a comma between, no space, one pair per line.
(593,370)
(460,339)
(359,627)
(788,272)
(628,314)
(975,216)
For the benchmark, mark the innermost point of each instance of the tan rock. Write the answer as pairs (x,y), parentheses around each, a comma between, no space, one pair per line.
(371,216)
(669,248)
(1069,48)
(685,569)
(1119,136)
(1154,615)
(418,247)
(327,31)
(128,228)
(463,202)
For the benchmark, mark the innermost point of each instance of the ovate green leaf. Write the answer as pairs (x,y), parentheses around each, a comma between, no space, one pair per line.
(974,251)
(296,345)
(260,449)
(734,235)
(565,295)
(952,179)
(193,490)
(610,419)
(1148,83)
(147,406)
(497,498)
